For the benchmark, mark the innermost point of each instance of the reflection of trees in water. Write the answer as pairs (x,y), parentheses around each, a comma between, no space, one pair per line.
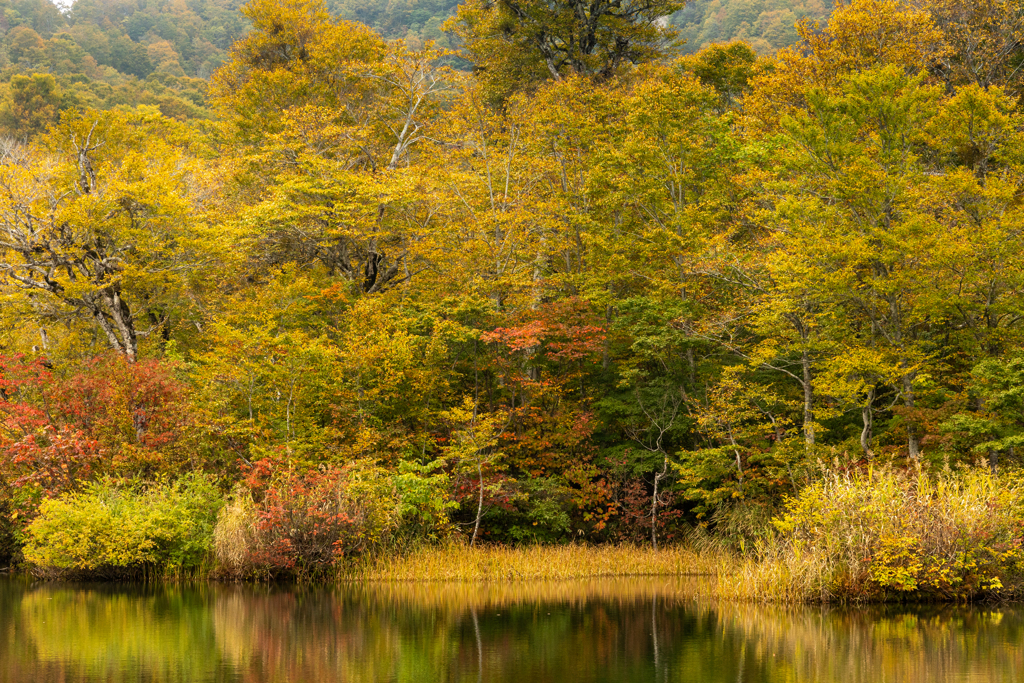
(609,630)
(107,632)
(557,631)
(274,634)
(640,630)
(915,644)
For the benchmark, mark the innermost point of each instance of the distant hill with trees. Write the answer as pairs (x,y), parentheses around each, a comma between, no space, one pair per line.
(416,21)
(108,53)
(766,25)
(105,54)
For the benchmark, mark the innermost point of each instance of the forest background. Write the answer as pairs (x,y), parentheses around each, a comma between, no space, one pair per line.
(286,286)
(104,54)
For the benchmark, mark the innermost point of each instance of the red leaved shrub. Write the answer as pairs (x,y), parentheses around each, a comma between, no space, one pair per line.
(300,522)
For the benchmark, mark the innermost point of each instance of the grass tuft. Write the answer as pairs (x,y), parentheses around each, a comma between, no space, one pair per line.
(234,537)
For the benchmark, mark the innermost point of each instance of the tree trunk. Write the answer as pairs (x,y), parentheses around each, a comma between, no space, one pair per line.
(112,314)
(868,417)
(808,386)
(739,460)
(913,442)
(479,504)
(654,503)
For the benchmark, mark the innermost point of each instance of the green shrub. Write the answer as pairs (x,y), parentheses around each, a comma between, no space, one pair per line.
(111,531)
(885,534)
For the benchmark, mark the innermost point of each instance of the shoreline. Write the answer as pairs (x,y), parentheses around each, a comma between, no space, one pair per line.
(724,575)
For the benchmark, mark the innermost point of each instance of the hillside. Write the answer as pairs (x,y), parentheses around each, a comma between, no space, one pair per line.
(415,20)
(766,24)
(109,53)
(104,54)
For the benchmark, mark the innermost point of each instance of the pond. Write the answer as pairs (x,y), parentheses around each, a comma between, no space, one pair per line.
(604,630)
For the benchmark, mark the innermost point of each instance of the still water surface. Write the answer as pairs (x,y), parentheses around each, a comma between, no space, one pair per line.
(610,630)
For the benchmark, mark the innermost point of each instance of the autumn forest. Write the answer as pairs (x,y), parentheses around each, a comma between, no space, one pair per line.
(278,289)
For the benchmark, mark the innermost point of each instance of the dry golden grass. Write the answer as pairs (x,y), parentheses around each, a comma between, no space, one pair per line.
(459,562)
(775,577)
(461,596)
(234,536)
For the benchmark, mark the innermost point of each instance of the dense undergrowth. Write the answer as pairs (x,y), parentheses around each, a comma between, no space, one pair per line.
(888,535)
(876,534)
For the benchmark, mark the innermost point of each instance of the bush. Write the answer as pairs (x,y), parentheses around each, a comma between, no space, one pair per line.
(884,534)
(301,523)
(120,532)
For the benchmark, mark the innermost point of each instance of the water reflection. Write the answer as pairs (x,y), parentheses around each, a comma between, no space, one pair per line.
(105,633)
(635,630)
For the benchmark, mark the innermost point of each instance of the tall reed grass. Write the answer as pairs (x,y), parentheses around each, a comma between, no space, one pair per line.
(460,562)
(463,596)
